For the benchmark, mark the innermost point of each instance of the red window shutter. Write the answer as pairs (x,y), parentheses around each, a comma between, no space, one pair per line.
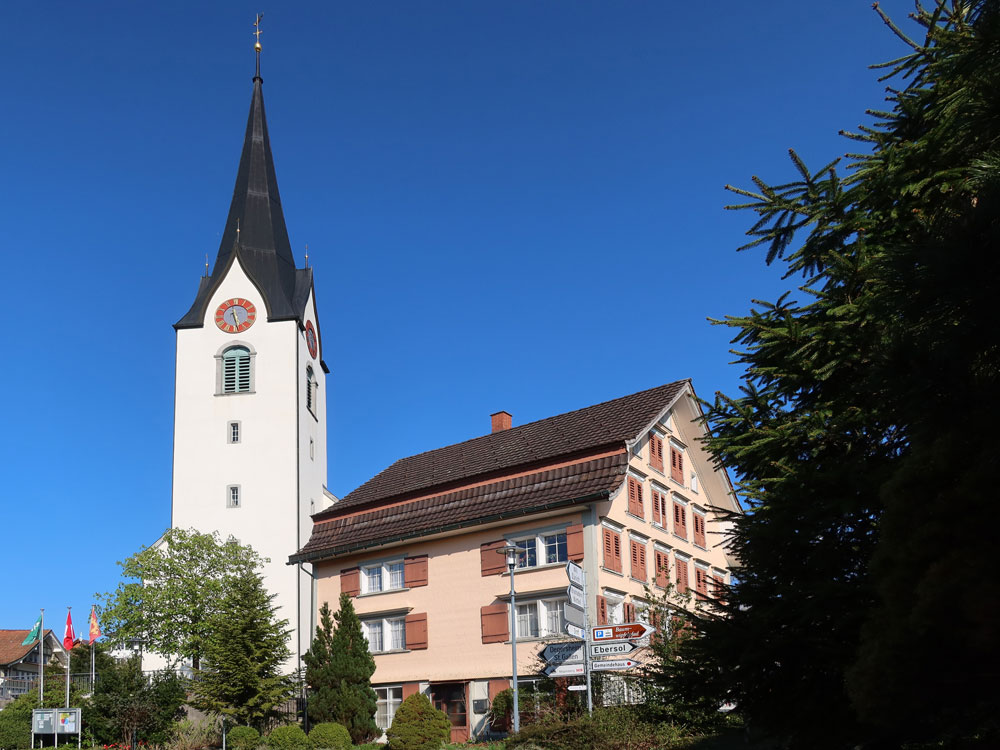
(719,589)
(639,511)
(634,550)
(350,581)
(661,569)
(680,521)
(496,687)
(656,452)
(676,465)
(492,561)
(410,688)
(602,610)
(416,631)
(415,571)
(699,530)
(574,542)
(629,613)
(609,550)
(617,541)
(495,623)
(682,576)
(642,562)
(632,491)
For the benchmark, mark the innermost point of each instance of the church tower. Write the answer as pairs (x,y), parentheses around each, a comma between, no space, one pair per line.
(250,389)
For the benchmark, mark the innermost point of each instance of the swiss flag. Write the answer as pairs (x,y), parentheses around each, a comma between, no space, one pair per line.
(70,637)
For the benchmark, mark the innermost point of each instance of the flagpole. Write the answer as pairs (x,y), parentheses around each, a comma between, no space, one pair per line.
(68,658)
(41,661)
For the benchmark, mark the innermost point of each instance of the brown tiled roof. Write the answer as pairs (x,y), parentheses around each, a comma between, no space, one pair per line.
(10,645)
(504,498)
(577,431)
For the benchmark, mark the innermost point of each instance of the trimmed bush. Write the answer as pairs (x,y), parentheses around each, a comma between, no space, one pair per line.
(330,736)
(618,728)
(418,726)
(288,737)
(243,738)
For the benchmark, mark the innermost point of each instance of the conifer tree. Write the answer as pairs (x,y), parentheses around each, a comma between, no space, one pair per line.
(321,679)
(244,654)
(345,679)
(865,430)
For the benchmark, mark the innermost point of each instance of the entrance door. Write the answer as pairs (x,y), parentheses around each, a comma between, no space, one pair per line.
(451,698)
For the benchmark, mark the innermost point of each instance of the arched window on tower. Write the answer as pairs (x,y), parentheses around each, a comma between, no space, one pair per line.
(236,370)
(312,390)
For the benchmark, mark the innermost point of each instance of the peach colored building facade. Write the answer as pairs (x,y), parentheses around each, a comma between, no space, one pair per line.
(623,488)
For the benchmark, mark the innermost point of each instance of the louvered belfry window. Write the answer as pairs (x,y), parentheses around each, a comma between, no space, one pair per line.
(236,370)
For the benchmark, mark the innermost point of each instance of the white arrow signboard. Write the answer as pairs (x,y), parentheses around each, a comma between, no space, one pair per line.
(562,653)
(576,598)
(612,649)
(575,630)
(613,665)
(575,573)
(573,615)
(564,670)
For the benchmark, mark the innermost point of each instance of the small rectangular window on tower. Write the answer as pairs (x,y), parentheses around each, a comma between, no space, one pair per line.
(312,448)
(234,432)
(233,496)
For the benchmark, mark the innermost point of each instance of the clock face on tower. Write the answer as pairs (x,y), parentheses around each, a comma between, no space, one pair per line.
(235,315)
(311,339)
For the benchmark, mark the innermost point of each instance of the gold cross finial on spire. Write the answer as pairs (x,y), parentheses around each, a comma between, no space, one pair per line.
(307,256)
(256,25)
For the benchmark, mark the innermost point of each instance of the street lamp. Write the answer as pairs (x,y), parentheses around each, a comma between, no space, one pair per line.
(510,552)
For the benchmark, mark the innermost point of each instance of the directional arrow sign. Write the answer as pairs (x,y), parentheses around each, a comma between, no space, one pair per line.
(564,670)
(576,687)
(613,665)
(573,615)
(575,631)
(612,648)
(621,632)
(575,573)
(576,598)
(559,653)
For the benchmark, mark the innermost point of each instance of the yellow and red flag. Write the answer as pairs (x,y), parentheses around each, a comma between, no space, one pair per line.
(95,629)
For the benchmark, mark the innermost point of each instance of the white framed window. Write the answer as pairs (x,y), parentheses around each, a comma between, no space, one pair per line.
(312,449)
(233,498)
(694,482)
(385,633)
(541,618)
(233,432)
(383,576)
(545,548)
(387,700)
(234,368)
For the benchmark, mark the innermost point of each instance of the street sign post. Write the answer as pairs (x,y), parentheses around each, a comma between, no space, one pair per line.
(612,648)
(613,665)
(564,670)
(621,632)
(563,653)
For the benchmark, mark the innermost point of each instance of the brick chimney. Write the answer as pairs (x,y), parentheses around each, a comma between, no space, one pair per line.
(501,421)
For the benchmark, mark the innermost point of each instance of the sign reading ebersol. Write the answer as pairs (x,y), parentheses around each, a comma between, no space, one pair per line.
(612,649)
(621,632)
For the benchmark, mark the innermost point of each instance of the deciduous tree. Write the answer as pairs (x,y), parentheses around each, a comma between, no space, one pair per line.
(171,590)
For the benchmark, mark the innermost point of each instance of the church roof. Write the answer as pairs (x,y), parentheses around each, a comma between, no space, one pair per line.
(255,231)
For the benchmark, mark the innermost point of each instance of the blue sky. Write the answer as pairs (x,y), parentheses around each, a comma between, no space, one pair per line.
(508,205)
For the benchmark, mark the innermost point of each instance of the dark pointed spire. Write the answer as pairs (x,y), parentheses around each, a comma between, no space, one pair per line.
(255,228)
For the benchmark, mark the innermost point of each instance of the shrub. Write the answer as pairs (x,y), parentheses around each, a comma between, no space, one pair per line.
(418,725)
(195,735)
(618,728)
(243,738)
(330,736)
(288,737)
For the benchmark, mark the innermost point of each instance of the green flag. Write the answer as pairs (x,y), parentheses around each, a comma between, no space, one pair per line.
(35,634)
